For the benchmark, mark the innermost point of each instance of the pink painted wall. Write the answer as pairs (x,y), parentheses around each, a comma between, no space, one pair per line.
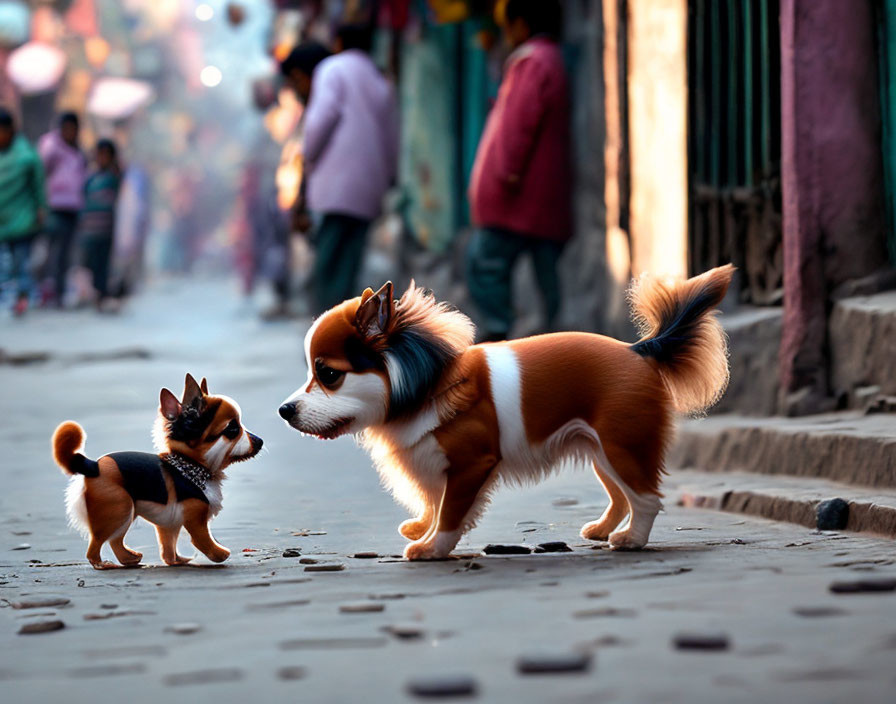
(832,177)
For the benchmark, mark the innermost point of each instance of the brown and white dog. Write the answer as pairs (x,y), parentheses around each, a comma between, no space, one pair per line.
(445,420)
(197,438)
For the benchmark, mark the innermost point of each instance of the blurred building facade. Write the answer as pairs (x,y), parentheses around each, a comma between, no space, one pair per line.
(754,131)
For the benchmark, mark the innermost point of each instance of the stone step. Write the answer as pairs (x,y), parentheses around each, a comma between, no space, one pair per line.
(790,499)
(847,447)
(862,335)
(754,336)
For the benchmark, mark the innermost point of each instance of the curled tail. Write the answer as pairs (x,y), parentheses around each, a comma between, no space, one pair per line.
(68,441)
(680,332)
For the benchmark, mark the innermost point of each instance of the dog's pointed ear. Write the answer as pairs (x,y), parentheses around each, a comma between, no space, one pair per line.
(368,292)
(169,405)
(192,392)
(375,312)
(203,385)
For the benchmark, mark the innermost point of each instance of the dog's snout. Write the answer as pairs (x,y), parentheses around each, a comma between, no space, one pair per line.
(288,411)
(256,441)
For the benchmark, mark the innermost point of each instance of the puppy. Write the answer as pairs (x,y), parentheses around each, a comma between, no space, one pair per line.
(445,420)
(197,438)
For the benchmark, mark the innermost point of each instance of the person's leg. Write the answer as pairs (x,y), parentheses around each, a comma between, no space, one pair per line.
(490,259)
(63,234)
(20,251)
(339,249)
(545,257)
(354,244)
(97,250)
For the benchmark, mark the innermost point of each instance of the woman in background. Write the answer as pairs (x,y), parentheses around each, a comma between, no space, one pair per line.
(97,223)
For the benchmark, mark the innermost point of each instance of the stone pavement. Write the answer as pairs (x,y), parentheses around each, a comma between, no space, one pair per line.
(756,594)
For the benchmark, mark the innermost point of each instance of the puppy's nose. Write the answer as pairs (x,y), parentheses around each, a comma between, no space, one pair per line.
(257,442)
(288,411)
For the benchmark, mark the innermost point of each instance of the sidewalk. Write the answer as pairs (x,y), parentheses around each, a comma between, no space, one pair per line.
(261,628)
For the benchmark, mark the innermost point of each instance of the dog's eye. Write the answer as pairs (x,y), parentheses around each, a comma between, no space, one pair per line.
(232,430)
(328,376)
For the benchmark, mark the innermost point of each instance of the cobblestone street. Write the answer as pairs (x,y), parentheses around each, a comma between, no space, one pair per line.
(315,604)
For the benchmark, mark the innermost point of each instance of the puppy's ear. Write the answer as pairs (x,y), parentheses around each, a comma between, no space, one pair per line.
(375,312)
(204,386)
(368,292)
(192,392)
(169,405)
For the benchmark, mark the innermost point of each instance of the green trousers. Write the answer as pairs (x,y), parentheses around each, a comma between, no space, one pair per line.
(491,258)
(339,243)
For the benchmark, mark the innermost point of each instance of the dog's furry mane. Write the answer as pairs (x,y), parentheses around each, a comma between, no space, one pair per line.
(423,337)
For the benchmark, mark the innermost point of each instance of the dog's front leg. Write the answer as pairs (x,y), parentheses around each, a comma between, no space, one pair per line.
(196,522)
(463,488)
(167,537)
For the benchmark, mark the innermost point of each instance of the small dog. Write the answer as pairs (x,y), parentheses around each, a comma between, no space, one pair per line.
(445,419)
(197,438)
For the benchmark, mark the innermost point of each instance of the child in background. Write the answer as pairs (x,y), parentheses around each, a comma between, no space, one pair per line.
(97,223)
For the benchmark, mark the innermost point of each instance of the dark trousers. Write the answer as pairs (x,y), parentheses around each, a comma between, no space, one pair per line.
(20,252)
(339,243)
(97,251)
(491,258)
(61,233)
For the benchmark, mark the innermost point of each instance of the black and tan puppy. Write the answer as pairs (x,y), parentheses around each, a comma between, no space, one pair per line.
(197,438)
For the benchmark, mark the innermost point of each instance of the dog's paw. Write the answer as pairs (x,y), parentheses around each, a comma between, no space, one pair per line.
(596,530)
(105,565)
(420,551)
(624,540)
(176,560)
(413,528)
(219,555)
(132,559)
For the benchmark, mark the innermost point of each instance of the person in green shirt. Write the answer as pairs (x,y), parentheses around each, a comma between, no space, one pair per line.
(22,203)
(96,224)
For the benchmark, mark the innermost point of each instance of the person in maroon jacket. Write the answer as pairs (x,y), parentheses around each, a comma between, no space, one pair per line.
(521,185)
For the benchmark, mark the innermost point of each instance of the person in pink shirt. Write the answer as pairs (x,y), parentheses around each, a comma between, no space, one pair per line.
(350,151)
(65,167)
(521,186)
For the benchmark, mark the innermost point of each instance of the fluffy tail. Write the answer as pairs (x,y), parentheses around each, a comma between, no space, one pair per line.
(680,332)
(68,441)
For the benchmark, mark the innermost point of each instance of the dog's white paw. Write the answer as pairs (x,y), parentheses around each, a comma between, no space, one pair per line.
(436,548)
(421,551)
(625,540)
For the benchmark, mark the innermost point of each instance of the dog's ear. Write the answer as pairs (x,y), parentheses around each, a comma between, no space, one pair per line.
(368,292)
(169,405)
(204,386)
(375,312)
(192,392)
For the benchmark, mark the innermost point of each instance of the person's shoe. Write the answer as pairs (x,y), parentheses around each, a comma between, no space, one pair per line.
(20,307)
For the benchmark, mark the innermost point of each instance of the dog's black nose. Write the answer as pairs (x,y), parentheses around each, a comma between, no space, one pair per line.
(288,411)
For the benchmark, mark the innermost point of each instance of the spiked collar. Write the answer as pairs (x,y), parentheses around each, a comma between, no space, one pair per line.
(193,472)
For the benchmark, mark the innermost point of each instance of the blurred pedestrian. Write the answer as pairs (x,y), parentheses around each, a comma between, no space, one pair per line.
(350,150)
(96,226)
(521,184)
(66,171)
(132,220)
(22,203)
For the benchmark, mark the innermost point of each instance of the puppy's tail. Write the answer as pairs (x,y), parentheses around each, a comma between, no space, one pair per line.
(67,443)
(681,334)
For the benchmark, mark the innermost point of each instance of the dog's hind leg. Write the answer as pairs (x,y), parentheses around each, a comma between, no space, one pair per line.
(623,469)
(613,515)
(110,513)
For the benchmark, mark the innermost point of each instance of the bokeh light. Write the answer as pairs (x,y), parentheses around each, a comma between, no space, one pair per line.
(210,76)
(204,12)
